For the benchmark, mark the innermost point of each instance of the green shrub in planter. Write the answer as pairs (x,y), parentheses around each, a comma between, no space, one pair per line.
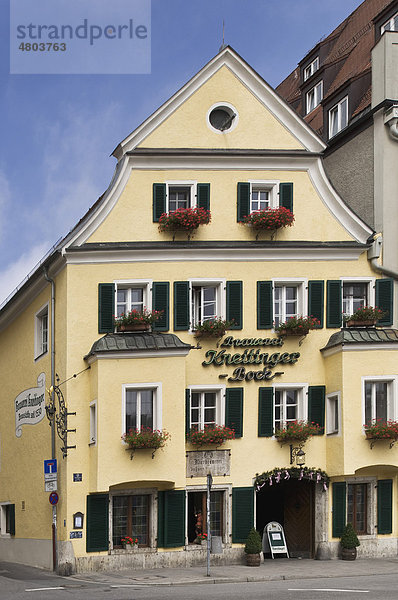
(349,538)
(253,543)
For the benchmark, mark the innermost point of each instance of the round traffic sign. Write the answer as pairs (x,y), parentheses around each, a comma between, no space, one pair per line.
(53,498)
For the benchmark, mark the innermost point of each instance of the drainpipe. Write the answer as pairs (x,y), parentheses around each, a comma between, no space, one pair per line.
(52,423)
(374,255)
(391,119)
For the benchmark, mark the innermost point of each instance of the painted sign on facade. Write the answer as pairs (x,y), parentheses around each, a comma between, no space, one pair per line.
(213,462)
(30,405)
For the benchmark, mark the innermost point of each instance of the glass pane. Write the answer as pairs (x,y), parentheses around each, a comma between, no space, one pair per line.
(140,519)
(146,409)
(333,121)
(210,416)
(381,401)
(131,409)
(119,519)
(291,396)
(216,502)
(343,111)
(291,293)
(210,399)
(137,298)
(121,302)
(291,413)
(368,402)
(195,399)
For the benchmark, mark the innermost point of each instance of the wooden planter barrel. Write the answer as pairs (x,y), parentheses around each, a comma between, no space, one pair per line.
(253,560)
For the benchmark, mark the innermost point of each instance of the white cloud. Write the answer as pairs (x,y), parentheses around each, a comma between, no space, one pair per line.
(14,273)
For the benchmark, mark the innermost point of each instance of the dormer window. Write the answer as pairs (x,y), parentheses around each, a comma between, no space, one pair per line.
(311,68)
(314,97)
(391,24)
(338,117)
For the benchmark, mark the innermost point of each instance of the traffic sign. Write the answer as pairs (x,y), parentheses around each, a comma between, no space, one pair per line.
(53,498)
(50,470)
(50,486)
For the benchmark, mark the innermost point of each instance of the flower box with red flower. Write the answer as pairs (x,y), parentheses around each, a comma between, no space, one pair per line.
(269,219)
(210,435)
(184,219)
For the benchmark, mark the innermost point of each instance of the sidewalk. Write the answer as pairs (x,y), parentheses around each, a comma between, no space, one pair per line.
(270,570)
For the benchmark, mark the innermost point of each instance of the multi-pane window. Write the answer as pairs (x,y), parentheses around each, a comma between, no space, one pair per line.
(41,332)
(285,303)
(129,298)
(314,97)
(204,303)
(203,409)
(391,24)
(357,506)
(260,199)
(355,296)
(311,68)
(378,405)
(131,516)
(179,197)
(338,117)
(197,514)
(332,425)
(286,407)
(139,409)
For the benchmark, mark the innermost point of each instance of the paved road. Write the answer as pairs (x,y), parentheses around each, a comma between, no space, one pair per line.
(18,582)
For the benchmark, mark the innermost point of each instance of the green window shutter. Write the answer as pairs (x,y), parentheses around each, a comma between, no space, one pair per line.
(265,412)
(160,540)
(106,307)
(339,508)
(181,305)
(203,191)
(160,301)
(334,305)
(159,201)
(234,410)
(242,513)
(174,518)
(234,303)
(384,299)
(384,506)
(11,508)
(286,195)
(316,300)
(243,200)
(316,405)
(187,411)
(264,305)
(97,523)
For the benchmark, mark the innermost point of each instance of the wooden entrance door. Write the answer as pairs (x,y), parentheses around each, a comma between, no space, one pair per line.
(299,518)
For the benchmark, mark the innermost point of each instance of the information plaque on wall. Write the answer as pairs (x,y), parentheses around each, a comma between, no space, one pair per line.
(213,462)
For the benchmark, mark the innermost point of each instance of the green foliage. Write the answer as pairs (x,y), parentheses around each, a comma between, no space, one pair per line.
(253,543)
(349,538)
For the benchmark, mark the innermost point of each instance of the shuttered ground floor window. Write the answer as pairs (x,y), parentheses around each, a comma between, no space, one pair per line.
(131,516)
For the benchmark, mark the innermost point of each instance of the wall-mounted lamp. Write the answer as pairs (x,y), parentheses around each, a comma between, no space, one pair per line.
(298,455)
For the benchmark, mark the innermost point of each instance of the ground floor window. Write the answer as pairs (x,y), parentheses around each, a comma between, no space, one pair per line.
(131,516)
(197,511)
(357,506)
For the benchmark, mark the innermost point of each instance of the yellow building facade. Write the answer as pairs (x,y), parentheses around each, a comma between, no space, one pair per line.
(227,144)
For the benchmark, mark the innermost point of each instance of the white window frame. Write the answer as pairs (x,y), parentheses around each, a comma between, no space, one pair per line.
(340,125)
(317,93)
(333,406)
(391,22)
(227,508)
(302,400)
(93,423)
(219,390)
(310,69)
(145,284)
(392,397)
(3,519)
(192,185)
(369,281)
(220,285)
(269,185)
(153,512)
(38,343)
(157,401)
(302,302)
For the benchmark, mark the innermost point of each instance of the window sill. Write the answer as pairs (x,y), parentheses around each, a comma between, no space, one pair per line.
(39,356)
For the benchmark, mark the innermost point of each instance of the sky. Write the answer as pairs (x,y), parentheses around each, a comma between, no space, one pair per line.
(57,131)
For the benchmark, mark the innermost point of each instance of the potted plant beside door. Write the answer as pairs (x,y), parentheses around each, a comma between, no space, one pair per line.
(253,548)
(349,542)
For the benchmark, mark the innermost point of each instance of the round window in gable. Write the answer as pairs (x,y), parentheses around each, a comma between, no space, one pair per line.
(222,118)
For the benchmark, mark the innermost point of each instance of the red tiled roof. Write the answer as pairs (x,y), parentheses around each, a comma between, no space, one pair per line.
(350,45)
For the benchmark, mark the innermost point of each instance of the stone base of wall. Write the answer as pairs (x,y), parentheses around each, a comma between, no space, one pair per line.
(156,560)
(370,548)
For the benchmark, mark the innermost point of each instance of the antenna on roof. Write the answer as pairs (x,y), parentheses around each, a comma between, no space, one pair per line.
(223,45)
